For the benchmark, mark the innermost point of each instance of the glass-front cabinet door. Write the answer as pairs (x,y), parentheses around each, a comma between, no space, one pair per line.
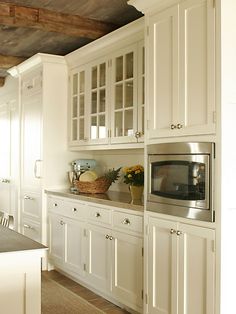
(127,114)
(78,130)
(124,96)
(141,92)
(98,95)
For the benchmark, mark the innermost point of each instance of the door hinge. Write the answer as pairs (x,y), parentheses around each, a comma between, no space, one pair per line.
(214,117)
(142,251)
(142,294)
(213,246)
(85,233)
(84,267)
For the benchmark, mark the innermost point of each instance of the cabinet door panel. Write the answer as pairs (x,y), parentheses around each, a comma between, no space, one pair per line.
(162,263)
(124,95)
(127,269)
(98,101)
(74,245)
(196,270)
(163,69)
(196,66)
(56,238)
(31,141)
(98,257)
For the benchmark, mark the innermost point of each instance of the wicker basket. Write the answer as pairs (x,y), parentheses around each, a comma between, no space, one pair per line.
(100,185)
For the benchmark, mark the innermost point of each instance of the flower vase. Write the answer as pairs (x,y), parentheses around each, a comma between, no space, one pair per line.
(136,192)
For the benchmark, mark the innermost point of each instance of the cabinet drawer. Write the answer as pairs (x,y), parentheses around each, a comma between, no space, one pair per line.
(31,229)
(128,222)
(31,204)
(55,205)
(99,215)
(66,208)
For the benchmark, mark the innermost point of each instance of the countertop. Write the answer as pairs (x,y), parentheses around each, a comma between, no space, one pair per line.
(110,198)
(12,241)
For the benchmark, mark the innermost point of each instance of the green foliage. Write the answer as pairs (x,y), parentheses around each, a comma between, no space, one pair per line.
(112,175)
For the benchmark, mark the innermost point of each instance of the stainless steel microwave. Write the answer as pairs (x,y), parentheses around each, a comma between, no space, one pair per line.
(180,179)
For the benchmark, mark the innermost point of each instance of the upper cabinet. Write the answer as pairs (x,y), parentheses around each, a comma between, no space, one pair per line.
(106,105)
(180,70)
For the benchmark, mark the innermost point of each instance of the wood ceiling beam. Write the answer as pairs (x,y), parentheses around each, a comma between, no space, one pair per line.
(6,62)
(50,21)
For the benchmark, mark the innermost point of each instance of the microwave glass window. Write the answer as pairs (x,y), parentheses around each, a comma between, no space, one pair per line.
(182,180)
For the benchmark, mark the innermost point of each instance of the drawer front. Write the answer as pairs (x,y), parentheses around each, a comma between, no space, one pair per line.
(128,222)
(31,229)
(66,208)
(99,215)
(74,209)
(55,205)
(32,204)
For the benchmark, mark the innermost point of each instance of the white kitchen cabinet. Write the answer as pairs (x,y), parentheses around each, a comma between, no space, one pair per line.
(112,92)
(181,268)
(89,104)
(127,265)
(98,264)
(9,148)
(100,246)
(66,243)
(43,144)
(181,70)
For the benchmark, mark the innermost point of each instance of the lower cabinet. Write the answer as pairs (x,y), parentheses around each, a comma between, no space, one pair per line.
(66,242)
(104,255)
(127,266)
(180,268)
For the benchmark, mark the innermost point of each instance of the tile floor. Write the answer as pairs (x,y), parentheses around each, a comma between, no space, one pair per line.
(91,297)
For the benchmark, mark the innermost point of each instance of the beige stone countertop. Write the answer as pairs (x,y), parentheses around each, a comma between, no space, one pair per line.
(110,198)
(12,241)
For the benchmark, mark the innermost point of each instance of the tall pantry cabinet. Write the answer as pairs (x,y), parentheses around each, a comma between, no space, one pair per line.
(44,159)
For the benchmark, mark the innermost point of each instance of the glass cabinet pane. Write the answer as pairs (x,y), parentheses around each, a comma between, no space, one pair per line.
(93,132)
(94,102)
(119,69)
(81,128)
(75,84)
(102,127)
(81,82)
(129,94)
(102,100)
(74,130)
(119,96)
(129,62)
(119,123)
(81,105)
(128,123)
(102,76)
(75,107)
(94,77)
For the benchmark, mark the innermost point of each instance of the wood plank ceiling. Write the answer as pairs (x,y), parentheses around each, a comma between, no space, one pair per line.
(55,26)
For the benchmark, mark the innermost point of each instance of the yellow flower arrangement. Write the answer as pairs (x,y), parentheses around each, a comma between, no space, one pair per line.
(134,175)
